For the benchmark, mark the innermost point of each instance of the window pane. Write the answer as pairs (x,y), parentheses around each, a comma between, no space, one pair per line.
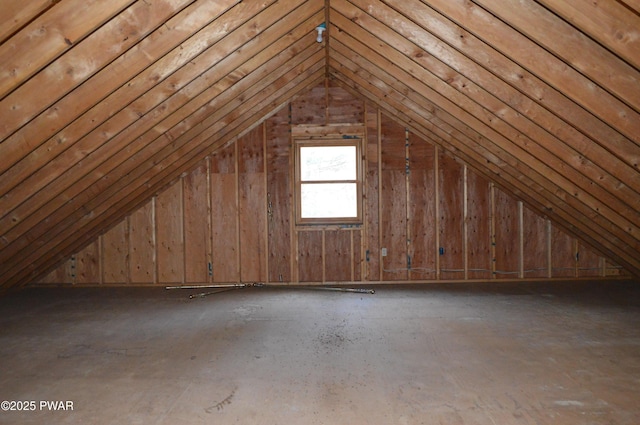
(323,163)
(329,200)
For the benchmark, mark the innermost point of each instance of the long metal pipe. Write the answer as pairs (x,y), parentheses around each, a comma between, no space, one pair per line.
(226,287)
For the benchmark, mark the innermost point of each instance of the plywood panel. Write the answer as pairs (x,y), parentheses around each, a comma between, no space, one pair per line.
(478,227)
(393,199)
(392,145)
(223,160)
(115,251)
(87,263)
(170,238)
(535,237)
(142,244)
(612,269)
(252,206)
(371,202)
(224,216)
(589,263)
(311,108)
(196,225)
(357,257)
(224,231)
(563,260)
(338,255)
(279,201)
(61,275)
(277,131)
(310,256)
(507,236)
(394,225)
(450,217)
(422,208)
(253,258)
(343,107)
(52,276)
(251,151)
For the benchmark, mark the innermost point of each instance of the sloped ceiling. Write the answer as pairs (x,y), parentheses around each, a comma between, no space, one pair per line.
(104,103)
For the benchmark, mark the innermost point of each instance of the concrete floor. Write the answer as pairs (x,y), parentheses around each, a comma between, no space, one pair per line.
(562,353)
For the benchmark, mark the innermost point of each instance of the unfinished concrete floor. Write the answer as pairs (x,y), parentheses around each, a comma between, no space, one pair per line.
(562,353)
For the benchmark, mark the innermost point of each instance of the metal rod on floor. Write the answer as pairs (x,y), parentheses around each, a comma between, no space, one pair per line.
(217,286)
(226,287)
(206,294)
(331,288)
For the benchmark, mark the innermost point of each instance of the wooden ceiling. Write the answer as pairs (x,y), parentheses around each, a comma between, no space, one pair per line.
(104,103)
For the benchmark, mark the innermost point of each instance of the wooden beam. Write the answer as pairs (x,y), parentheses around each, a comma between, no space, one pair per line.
(577,49)
(608,22)
(16,14)
(634,5)
(514,85)
(541,63)
(547,176)
(84,60)
(330,130)
(199,93)
(564,151)
(48,36)
(147,65)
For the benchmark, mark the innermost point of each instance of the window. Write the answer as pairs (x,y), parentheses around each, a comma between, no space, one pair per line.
(328,181)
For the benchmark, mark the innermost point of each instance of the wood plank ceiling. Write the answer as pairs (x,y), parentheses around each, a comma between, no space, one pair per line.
(102,104)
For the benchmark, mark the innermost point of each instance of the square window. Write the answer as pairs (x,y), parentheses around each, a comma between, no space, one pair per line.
(328,181)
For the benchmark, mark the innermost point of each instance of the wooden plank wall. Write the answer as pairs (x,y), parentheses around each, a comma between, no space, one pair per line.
(231,219)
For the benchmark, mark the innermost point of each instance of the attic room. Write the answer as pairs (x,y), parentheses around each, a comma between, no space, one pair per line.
(320,212)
